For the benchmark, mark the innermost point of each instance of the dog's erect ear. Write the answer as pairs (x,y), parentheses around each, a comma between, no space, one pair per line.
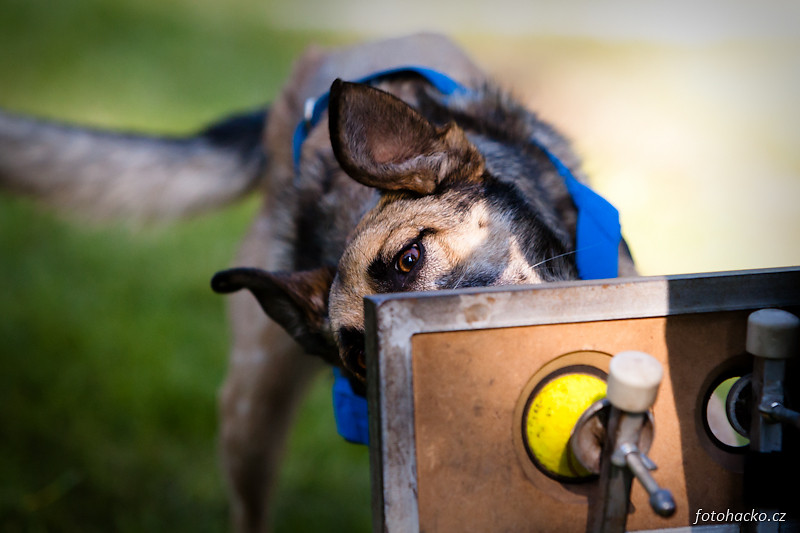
(382,142)
(298,301)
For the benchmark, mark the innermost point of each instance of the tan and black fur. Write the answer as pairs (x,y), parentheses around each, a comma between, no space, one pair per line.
(400,189)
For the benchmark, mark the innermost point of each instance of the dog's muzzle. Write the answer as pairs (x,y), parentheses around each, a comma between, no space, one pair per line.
(352,351)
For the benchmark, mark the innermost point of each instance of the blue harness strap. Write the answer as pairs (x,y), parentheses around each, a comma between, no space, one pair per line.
(598,233)
(349,410)
(597,237)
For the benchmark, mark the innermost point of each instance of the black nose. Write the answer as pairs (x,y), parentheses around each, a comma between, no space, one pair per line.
(351,350)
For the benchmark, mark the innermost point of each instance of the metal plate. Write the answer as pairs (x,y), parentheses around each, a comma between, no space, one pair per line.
(714,304)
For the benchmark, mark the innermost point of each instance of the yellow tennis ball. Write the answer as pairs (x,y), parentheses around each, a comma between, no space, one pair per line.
(552,414)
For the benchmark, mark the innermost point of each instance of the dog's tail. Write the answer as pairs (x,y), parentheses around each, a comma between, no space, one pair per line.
(104,174)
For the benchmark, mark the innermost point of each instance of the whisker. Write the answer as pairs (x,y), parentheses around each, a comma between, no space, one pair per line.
(564,254)
(540,263)
(461,278)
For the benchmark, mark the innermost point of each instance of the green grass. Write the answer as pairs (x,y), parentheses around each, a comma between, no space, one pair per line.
(112,346)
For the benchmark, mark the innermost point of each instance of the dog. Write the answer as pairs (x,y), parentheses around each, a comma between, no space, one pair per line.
(389,184)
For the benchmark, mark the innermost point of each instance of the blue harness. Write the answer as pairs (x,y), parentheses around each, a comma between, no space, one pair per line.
(597,238)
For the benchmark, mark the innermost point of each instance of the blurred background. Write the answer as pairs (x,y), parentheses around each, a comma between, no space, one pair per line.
(112,346)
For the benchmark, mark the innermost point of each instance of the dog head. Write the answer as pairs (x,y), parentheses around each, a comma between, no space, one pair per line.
(451,215)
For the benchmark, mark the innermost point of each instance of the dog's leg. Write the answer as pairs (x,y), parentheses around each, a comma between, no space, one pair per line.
(267,377)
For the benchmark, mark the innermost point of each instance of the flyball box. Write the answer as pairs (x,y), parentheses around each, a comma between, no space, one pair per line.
(450,374)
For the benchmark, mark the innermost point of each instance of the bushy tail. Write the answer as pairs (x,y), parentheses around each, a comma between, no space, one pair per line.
(104,174)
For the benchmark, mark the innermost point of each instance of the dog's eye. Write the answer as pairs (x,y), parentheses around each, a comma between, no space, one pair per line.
(408,258)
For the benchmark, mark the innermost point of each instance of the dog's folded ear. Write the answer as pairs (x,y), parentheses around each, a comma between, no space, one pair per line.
(382,142)
(298,301)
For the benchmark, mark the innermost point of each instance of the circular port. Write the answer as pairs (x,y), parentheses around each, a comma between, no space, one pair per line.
(552,410)
(727,412)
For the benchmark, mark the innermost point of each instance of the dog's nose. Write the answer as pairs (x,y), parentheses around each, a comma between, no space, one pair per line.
(352,352)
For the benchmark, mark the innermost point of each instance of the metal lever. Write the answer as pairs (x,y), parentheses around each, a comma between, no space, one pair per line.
(633,381)
(640,465)
(776,412)
(773,337)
